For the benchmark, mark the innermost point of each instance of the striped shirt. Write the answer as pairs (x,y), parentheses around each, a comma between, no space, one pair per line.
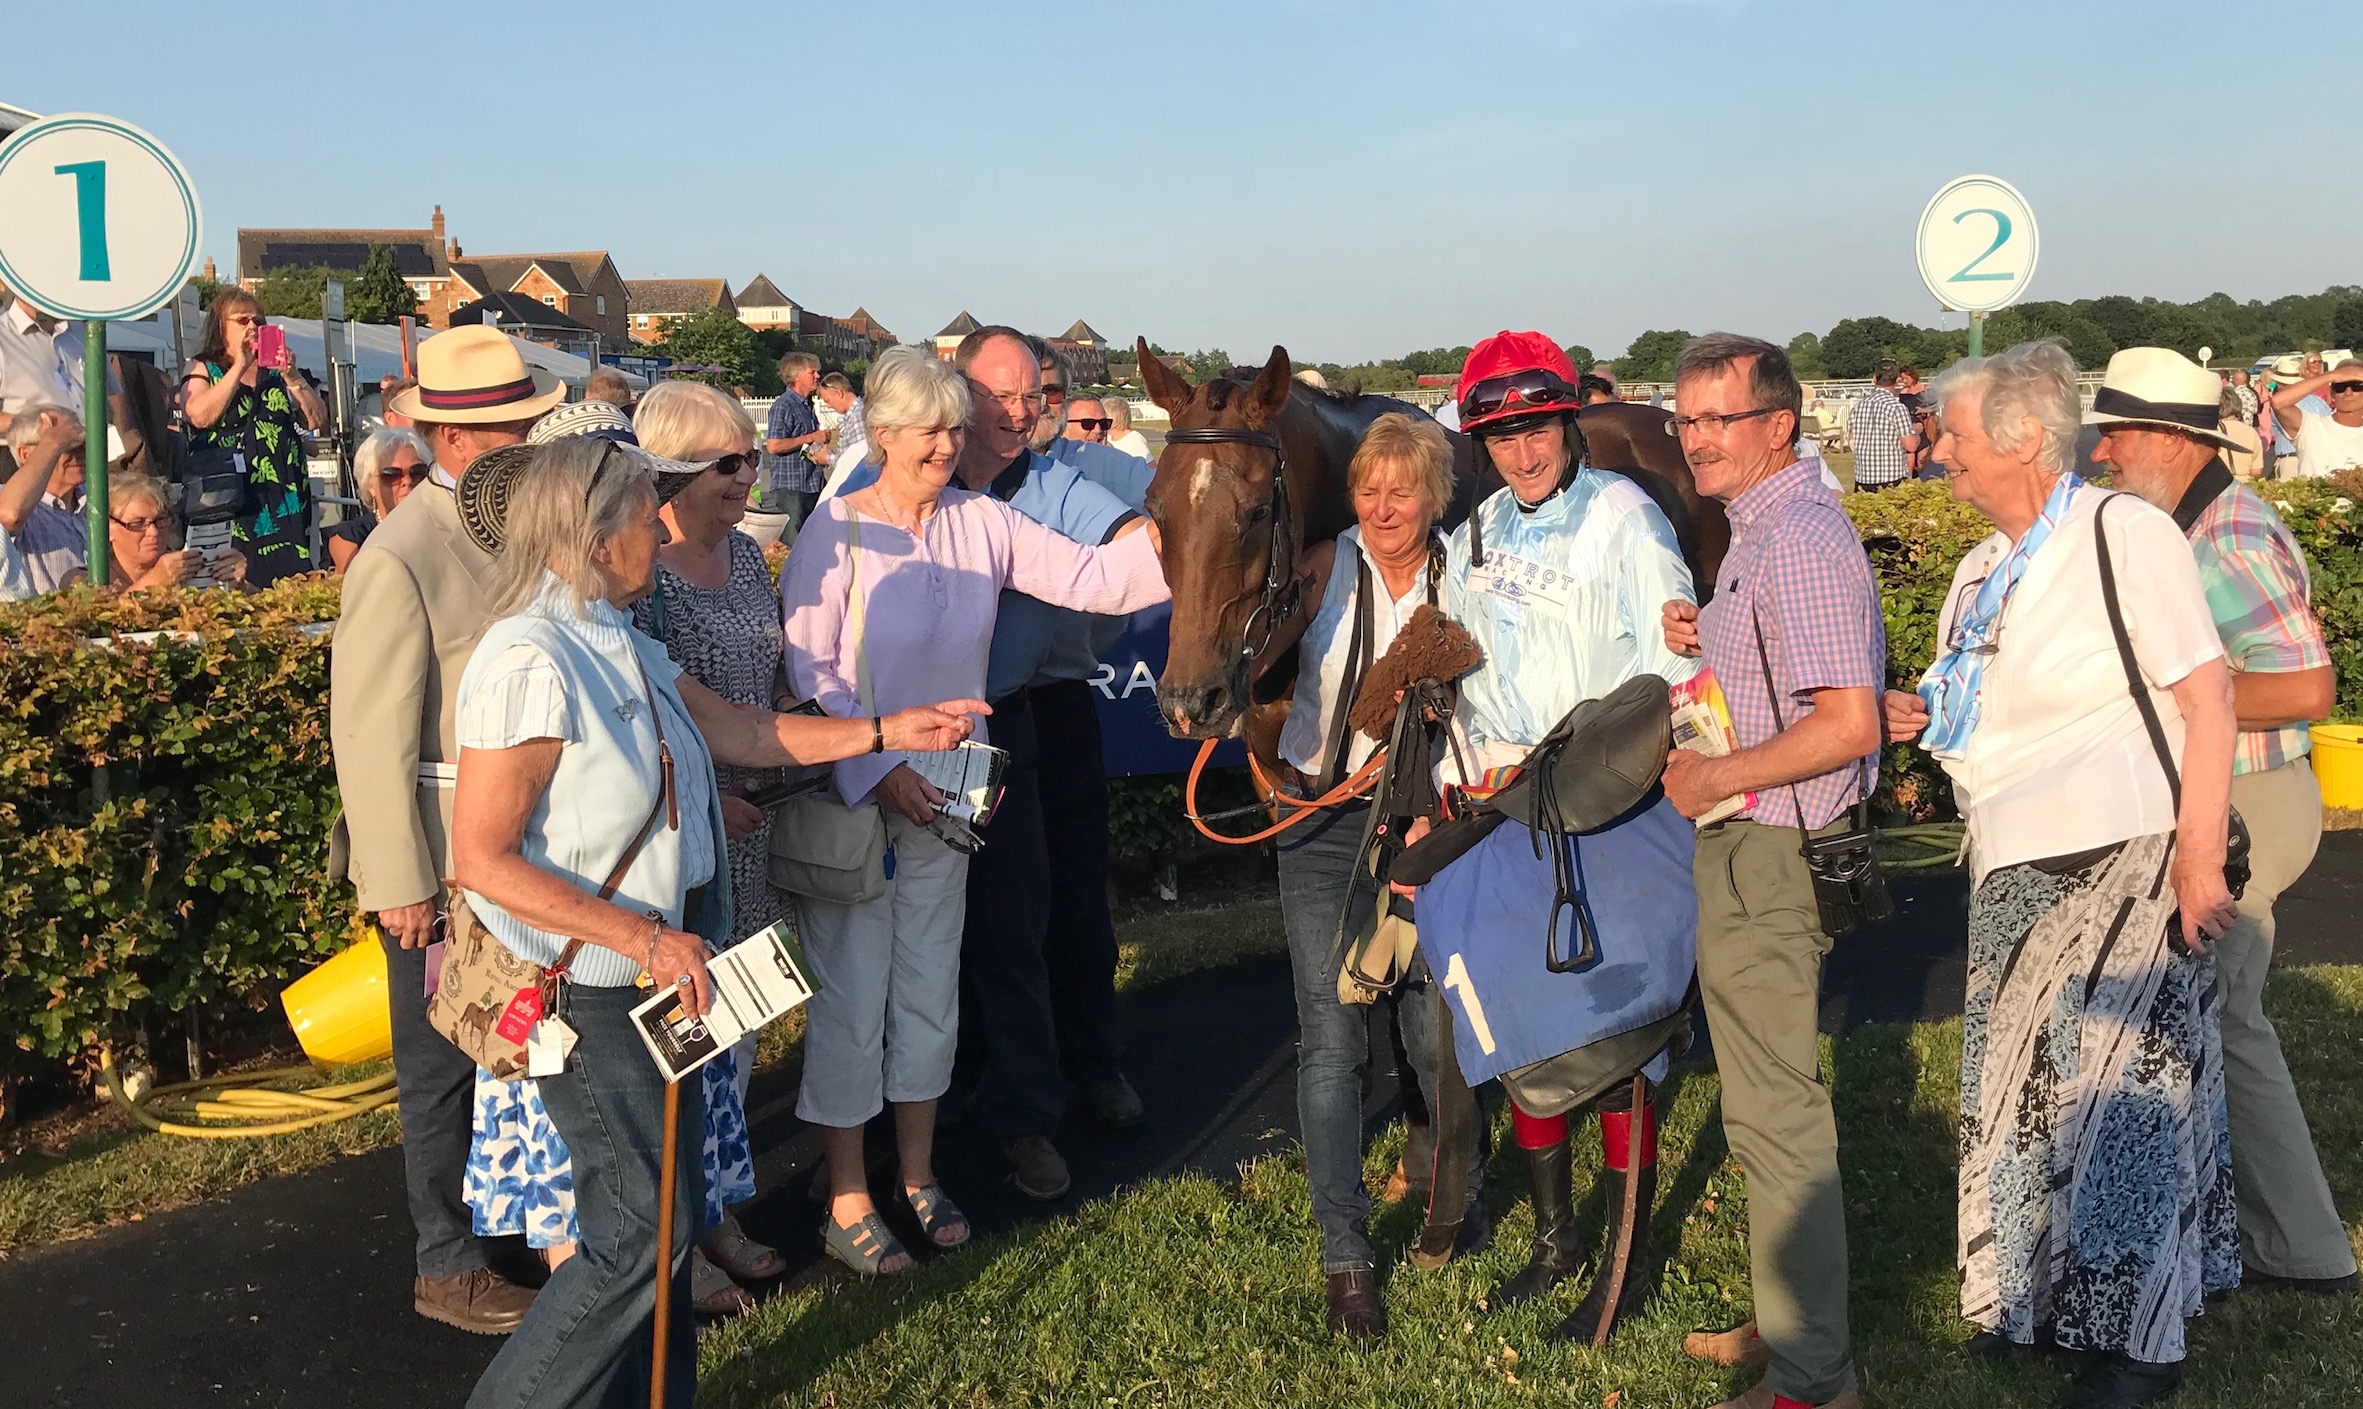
(1797,570)
(2257,589)
(1876,425)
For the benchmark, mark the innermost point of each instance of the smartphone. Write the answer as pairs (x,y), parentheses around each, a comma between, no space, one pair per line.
(270,346)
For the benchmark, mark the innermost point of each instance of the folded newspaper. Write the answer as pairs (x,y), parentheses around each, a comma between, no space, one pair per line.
(969,777)
(756,980)
(1702,724)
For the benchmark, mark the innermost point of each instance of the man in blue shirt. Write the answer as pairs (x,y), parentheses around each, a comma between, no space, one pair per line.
(791,481)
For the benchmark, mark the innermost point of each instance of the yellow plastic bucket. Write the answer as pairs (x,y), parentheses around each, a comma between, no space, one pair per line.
(2338,763)
(340,1011)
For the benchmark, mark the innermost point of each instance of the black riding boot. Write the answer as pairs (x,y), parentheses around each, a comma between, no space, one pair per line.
(1555,1257)
(1639,1183)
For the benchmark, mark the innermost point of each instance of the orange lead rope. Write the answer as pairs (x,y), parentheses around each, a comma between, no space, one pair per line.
(1346,791)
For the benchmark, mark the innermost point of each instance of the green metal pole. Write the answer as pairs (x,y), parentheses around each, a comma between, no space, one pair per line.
(94,446)
(1977,335)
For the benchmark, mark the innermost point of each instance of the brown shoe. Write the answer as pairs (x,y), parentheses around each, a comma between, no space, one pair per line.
(1037,1168)
(1738,1346)
(1355,1311)
(480,1302)
(1761,1398)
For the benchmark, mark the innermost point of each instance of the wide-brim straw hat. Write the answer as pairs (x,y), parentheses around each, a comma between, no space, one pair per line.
(475,376)
(490,479)
(2157,386)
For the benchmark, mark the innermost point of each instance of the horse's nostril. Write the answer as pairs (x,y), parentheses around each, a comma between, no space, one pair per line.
(1211,703)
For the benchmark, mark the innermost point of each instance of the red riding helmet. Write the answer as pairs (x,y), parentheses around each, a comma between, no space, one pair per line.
(1514,375)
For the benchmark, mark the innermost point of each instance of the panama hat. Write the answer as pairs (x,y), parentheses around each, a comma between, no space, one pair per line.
(2157,386)
(475,376)
(489,481)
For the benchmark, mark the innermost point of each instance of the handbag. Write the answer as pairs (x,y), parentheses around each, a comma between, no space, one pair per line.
(2236,839)
(820,848)
(488,998)
(213,486)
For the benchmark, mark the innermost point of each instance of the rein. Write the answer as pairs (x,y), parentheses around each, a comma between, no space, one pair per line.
(1346,791)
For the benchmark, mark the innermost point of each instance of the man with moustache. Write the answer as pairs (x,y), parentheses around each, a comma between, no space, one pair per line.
(1796,602)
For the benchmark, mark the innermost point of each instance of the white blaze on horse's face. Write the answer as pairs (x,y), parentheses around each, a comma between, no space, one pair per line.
(1202,480)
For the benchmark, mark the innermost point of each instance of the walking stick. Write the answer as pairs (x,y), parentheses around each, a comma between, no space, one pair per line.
(664,1245)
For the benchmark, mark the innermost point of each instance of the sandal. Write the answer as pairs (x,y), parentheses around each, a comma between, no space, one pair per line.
(865,1246)
(711,1292)
(945,1224)
(741,1256)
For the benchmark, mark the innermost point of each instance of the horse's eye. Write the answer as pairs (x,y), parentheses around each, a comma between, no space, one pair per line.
(1258,513)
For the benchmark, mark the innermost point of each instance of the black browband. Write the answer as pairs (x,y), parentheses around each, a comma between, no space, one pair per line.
(1281,593)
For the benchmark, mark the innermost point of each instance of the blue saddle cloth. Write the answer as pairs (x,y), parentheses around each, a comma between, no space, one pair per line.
(1481,929)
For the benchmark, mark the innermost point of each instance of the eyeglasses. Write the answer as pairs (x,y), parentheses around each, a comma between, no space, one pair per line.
(1054,394)
(1536,386)
(1712,423)
(2346,386)
(1016,402)
(135,527)
(1090,423)
(743,460)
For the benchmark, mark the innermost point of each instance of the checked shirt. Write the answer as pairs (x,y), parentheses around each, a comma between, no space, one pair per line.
(790,417)
(1876,425)
(2257,590)
(1797,567)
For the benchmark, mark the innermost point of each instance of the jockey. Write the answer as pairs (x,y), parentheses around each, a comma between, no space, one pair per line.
(1560,576)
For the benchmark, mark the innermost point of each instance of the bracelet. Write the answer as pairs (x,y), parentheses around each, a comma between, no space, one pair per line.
(877,734)
(656,933)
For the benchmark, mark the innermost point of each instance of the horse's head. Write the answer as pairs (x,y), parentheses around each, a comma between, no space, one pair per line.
(1216,501)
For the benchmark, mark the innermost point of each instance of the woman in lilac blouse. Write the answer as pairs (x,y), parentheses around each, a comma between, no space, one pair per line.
(890,596)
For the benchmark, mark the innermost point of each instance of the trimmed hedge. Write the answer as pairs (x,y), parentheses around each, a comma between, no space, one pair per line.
(165,804)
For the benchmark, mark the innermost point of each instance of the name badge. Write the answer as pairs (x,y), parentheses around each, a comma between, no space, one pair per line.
(1521,581)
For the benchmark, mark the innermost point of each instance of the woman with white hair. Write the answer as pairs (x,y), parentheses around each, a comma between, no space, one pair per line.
(891,594)
(2082,706)
(392,462)
(1120,431)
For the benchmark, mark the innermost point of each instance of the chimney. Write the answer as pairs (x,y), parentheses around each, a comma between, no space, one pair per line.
(436,224)
(209,275)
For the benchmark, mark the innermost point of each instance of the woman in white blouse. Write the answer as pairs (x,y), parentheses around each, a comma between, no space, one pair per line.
(574,730)
(1399,481)
(2096,1207)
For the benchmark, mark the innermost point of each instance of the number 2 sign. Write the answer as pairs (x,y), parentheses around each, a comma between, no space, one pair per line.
(1977,244)
(97,219)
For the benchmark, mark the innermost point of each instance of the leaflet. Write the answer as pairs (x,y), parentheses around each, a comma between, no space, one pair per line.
(969,776)
(755,981)
(1702,724)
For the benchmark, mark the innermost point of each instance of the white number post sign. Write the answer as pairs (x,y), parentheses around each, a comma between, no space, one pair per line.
(97,219)
(1977,244)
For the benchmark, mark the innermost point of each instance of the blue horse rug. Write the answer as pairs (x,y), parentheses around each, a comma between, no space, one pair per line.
(1481,924)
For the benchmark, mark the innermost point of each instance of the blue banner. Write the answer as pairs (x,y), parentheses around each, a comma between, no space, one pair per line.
(1133,738)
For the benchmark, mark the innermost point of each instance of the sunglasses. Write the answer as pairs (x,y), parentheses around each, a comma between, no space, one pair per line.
(413,473)
(1090,423)
(2346,386)
(743,460)
(1536,387)
(1053,395)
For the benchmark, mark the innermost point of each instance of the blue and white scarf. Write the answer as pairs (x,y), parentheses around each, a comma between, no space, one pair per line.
(1953,686)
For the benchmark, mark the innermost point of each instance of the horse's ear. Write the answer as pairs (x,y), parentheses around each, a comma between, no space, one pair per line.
(1270,392)
(1165,386)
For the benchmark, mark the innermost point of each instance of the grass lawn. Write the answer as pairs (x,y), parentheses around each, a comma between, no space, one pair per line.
(1192,1291)
(106,1170)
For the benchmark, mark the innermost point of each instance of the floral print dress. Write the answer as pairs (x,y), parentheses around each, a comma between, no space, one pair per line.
(261,425)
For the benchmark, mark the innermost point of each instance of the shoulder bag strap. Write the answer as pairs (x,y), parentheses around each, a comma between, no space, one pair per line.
(2133,680)
(1349,682)
(1780,722)
(856,610)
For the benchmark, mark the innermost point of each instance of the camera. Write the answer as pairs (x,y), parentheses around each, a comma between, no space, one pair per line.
(1849,887)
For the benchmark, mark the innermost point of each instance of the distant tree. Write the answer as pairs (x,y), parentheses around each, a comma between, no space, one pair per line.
(713,338)
(1581,356)
(292,293)
(1805,357)
(206,289)
(1651,357)
(1435,362)
(1204,365)
(2346,324)
(378,294)
(1853,348)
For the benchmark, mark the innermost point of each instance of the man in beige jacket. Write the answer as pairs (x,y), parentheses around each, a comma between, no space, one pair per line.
(414,608)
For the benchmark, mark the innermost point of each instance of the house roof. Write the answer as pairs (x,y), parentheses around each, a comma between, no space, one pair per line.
(678,295)
(518,311)
(1081,332)
(762,293)
(961,326)
(418,254)
(860,318)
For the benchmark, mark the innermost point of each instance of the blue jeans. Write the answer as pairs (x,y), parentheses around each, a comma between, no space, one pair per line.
(1333,1049)
(588,1337)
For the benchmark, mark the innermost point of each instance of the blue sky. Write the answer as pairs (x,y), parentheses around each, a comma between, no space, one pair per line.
(1355,180)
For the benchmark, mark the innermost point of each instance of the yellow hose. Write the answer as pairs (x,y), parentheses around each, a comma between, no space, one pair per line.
(239,1099)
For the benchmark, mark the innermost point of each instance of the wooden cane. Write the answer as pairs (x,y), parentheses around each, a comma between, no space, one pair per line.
(664,1245)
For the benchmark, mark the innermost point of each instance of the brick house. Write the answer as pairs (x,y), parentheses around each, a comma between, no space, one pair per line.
(764,308)
(530,319)
(422,257)
(657,302)
(583,285)
(1086,353)
(947,342)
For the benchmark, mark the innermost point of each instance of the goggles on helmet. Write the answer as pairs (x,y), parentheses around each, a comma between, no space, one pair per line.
(1535,388)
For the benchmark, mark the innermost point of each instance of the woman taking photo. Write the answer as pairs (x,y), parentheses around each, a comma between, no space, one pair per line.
(891,595)
(1399,481)
(390,464)
(575,730)
(234,404)
(2096,1206)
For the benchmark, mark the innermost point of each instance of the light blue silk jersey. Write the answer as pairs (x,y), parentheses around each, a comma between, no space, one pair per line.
(1567,606)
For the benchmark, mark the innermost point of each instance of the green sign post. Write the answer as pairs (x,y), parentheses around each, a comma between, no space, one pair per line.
(97,222)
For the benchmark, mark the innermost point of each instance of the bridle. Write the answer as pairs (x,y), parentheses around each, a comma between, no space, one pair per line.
(1282,593)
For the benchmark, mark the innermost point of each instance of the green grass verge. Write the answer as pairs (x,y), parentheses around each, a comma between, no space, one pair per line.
(1190,1291)
(111,1171)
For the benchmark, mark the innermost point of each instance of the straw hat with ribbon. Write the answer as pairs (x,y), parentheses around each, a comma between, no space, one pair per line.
(490,479)
(2157,386)
(475,376)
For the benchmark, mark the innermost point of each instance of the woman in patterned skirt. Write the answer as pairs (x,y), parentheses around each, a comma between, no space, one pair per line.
(2096,1205)
(233,403)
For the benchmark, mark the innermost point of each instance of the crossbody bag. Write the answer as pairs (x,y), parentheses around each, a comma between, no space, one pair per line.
(820,848)
(488,998)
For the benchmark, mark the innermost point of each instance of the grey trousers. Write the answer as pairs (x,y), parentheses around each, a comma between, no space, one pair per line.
(1760,952)
(2288,1225)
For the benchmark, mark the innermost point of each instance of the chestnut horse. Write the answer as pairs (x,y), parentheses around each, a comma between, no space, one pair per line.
(1214,501)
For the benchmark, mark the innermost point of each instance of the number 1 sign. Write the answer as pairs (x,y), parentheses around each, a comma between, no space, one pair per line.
(1977,244)
(97,220)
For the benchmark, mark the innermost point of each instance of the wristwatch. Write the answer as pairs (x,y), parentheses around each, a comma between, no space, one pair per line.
(877,734)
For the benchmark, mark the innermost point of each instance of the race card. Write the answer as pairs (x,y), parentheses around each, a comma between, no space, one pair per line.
(755,981)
